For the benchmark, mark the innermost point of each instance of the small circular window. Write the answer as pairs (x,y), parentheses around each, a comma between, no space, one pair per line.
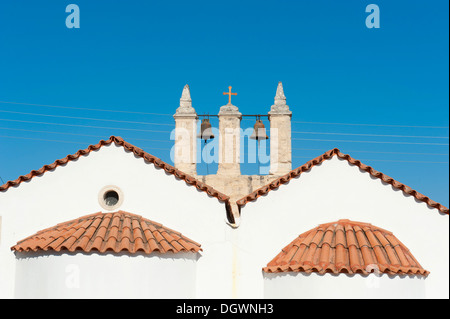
(110,197)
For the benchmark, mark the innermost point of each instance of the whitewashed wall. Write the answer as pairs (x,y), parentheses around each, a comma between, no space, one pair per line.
(230,265)
(71,191)
(328,192)
(343,286)
(43,275)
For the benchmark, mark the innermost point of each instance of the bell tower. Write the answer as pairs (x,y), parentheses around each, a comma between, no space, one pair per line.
(228,178)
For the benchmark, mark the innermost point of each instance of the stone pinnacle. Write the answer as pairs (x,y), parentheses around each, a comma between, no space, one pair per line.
(186,95)
(280,106)
(185,102)
(280,98)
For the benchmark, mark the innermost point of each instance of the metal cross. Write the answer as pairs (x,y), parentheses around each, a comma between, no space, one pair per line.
(229,94)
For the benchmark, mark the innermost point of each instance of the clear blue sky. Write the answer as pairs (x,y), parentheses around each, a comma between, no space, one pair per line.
(138,55)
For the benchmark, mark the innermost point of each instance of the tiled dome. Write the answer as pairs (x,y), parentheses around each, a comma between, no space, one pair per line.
(346,247)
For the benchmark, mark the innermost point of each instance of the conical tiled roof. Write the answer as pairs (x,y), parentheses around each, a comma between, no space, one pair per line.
(346,247)
(103,232)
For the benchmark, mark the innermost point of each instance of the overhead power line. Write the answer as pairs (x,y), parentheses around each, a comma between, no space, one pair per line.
(85,126)
(383,125)
(85,109)
(379,160)
(75,134)
(166,124)
(83,118)
(154,148)
(40,139)
(378,142)
(374,152)
(63,141)
(375,135)
(165,114)
(168,140)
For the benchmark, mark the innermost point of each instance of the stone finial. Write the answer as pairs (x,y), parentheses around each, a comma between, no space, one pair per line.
(229,109)
(280,105)
(280,98)
(186,94)
(185,103)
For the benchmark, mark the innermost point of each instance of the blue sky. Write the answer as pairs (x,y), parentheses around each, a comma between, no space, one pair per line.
(136,56)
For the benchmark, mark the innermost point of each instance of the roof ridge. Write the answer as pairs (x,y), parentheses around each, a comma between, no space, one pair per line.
(353,223)
(157,162)
(328,155)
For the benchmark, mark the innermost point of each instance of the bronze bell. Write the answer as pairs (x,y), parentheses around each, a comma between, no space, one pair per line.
(259,131)
(205,130)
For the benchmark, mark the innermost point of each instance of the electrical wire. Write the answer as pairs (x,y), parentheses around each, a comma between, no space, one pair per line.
(374,152)
(40,139)
(148,123)
(86,126)
(377,142)
(382,125)
(378,160)
(85,109)
(84,118)
(72,142)
(166,124)
(153,140)
(157,131)
(74,134)
(165,114)
(375,135)
(62,141)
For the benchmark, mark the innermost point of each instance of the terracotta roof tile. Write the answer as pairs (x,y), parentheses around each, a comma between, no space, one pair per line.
(102,232)
(328,155)
(346,247)
(135,150)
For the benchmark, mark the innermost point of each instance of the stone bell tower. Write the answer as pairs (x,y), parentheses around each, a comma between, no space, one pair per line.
(228,178)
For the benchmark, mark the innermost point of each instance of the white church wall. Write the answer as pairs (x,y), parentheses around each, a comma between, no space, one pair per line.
(71,191)
(337,190)
(329,286)
(43,275)
(230,265)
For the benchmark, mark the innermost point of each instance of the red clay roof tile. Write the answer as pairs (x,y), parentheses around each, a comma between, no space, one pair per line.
(119,231)
(137,151)
(328,155)
(361,248)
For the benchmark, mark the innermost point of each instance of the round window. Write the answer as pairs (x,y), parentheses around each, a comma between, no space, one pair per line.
(110,197)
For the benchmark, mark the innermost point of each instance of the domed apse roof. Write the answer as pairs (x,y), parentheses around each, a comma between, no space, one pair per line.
(108,232)
(346,247)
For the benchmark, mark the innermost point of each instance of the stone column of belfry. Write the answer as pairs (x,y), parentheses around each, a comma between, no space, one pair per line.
(229,140)
(185,149)
(280,135)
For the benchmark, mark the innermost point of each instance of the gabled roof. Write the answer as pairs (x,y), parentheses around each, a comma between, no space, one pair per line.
(137,151)
(328,155)
(346,247)
(103,232)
